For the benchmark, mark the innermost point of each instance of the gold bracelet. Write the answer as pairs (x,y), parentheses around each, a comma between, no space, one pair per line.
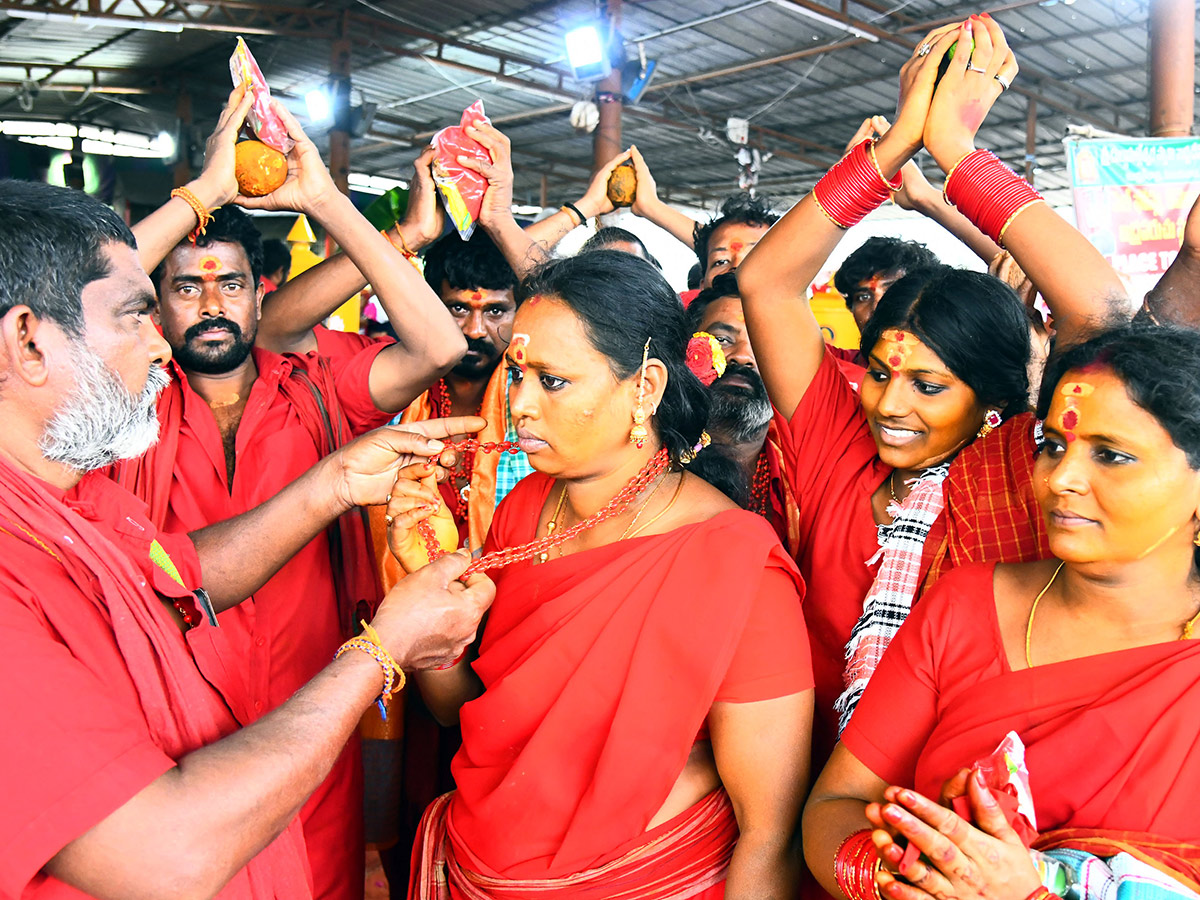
(1020,209)
(949,175)
(879,171)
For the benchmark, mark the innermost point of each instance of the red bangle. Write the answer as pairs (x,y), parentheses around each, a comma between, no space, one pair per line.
(1041,892)
(853,187)
(855,865)
(989,193)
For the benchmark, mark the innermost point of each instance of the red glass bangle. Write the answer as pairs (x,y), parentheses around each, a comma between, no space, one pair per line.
(855,865)
(989,193)
(853,187)
(1041,892)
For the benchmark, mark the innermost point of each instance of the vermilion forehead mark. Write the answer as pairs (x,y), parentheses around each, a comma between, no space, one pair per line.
(477,295)
(736,246)
(209,267)
(873,283)
(899,348)
(1068,419)
(517,350)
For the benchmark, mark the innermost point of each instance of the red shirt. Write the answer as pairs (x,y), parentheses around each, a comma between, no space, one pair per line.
(81,737)
(833,467)
(289,629)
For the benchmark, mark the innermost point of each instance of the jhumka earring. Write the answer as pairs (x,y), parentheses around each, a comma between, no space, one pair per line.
(991,421)
(638,434)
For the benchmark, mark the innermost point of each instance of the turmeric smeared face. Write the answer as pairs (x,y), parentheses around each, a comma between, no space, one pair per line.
(572,414)
(919,412)
(1110,481)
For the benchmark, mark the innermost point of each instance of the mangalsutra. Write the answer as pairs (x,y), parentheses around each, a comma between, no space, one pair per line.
(510,555)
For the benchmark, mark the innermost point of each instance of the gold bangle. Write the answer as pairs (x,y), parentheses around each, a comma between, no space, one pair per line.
(1019,210)
(879,171)
(949,175)
(824,212)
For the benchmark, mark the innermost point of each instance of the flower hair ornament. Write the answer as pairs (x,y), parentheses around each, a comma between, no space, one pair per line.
(705,358)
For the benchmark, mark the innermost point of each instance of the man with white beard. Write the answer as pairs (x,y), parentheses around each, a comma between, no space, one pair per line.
(125,772)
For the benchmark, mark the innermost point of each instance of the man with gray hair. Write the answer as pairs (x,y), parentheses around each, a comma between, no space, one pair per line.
(126,773)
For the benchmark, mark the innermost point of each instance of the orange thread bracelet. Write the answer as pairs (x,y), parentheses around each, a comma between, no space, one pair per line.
(203,214)
(393,676)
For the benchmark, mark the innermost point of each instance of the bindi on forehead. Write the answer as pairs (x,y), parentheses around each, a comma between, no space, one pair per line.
(898,347)
(476,294)
(518,349)
(210,268)
(1070,417)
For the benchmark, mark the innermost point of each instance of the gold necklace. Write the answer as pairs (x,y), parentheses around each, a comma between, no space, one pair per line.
(1186,635)
(553,523)
(641,509)
(665,510)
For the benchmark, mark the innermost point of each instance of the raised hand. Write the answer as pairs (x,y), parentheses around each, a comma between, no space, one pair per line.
(967,91)
(308,186)
(594,201)
(429,618)
(498,198)
(218,176)
(424,217)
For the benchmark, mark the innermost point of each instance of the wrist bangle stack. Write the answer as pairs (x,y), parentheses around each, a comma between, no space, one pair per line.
(855,865)
(854,187)
(571,207)
(989,193)
(393,676)
(203,214)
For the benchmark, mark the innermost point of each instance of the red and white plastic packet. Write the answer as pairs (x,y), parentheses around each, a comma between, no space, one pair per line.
(1005,774)
(461,189)
(263,120)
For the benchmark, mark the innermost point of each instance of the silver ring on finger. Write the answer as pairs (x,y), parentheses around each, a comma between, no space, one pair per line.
(925,49)
(971,67)
(1005,84)
(389,519)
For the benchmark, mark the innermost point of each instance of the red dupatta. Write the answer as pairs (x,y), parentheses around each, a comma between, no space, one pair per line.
(182,710)
(1112,741)
(599,670)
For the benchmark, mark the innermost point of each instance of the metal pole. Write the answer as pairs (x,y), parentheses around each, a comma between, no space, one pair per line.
(606,141)
(1172,26)
(1030,139)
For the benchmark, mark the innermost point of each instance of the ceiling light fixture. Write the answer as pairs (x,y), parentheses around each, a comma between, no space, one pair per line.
(825,20)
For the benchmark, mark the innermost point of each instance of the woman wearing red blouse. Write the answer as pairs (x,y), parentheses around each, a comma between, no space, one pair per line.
(894,485)
(1087,656)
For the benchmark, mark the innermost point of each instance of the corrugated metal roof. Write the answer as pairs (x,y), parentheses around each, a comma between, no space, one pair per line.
(1086,61)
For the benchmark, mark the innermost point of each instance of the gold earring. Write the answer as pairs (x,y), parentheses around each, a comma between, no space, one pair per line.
(1196,539)
(991,421)
(639,434)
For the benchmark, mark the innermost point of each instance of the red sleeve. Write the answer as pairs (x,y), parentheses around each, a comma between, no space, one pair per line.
(772,658)
(352,380)
(827,444)
(341,346)
(900,707)
(843,354)
(78,746)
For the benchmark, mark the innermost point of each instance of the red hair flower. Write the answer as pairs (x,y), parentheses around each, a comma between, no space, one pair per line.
(705,357)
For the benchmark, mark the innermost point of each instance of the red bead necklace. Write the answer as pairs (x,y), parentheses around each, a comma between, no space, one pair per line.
(760,487)
(460,475)
(510,555)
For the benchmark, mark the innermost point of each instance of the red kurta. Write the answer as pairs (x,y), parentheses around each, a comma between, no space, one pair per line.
(1112,740)
(271,645)
(833,466)
(599,670)
(101,694)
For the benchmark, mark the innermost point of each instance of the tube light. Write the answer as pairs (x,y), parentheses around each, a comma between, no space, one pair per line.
(319,108)
(826,20)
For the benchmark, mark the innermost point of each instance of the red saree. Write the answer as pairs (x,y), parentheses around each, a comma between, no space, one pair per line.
(599,670)
(1112,741)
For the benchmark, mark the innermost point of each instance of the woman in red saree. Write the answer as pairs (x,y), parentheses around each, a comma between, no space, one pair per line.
(642,692)
(1087,656)
(893,486)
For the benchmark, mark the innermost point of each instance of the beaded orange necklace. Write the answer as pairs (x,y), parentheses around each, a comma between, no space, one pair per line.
(510,555)
(760,487)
